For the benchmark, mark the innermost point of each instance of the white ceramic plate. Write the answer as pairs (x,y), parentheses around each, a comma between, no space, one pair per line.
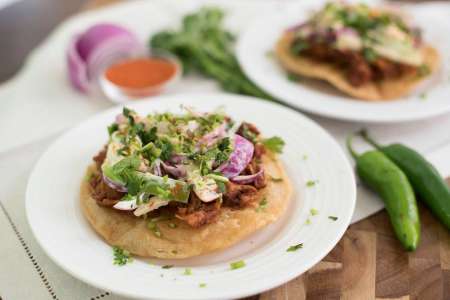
(320,98)
(54,214)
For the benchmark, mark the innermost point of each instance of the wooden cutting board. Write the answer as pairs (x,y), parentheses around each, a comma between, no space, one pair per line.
(369,263)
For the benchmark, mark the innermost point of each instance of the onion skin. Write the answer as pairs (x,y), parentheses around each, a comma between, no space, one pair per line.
(239,158)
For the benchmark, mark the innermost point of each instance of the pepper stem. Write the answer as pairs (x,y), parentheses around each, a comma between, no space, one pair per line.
(365,135)
(350,147)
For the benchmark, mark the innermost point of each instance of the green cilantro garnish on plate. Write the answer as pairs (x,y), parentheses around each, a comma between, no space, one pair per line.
(333,218)
(294,247)
(313,211)
(274,144)
(262,205)
(202,285)
(172,225)
(167,266)
(121,257)
(423,96)
(275,179)
(308,221)
(311,183)
(237,265)
(187,271)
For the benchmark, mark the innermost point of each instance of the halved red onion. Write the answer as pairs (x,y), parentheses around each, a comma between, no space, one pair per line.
(77,67)
(245,179)
(114,185)
(240,157)
(93,50)
(110,51)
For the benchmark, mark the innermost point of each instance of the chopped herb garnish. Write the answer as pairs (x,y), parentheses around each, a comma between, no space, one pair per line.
(274,179)
(172,225)
(187,271)
(333,218)
(308,221)
(237,265)
(311,183)
(154,228)
(369,55)
(274,144)
(202,285)
(167,266)
(88,176)
(305,157)
(423,70)
(298,46)
(423,96)
(313,211)
(293,77)
(295,247)
(262,205)
(113,128)
(121,257)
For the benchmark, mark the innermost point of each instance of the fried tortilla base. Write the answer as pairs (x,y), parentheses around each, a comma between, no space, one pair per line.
(131,233)
(384,90)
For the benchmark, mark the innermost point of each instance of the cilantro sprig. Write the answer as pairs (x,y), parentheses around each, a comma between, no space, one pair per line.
(121,256)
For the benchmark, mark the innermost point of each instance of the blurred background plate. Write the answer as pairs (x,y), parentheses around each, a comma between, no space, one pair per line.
(255,54)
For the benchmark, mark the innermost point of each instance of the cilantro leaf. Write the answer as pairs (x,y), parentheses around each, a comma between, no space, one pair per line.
(294,247)
(237,265)
(121,256)
(274,144)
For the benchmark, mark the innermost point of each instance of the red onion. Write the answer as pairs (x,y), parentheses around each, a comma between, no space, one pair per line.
(157,168)
(77,68)
(90,52)
(218,133)
(178,171)
(239,158)
(245,179)
(114,185)
(177,159)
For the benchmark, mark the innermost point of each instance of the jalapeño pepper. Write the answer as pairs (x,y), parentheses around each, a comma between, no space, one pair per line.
(426,181)
(378,172)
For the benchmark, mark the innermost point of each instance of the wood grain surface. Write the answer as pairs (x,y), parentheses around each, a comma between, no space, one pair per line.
(369,263)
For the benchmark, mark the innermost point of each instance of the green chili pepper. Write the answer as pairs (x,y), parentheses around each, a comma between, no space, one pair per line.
(426,181)
(383,176)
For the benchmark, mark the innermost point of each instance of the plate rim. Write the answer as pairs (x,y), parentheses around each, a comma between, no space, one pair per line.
(281,277)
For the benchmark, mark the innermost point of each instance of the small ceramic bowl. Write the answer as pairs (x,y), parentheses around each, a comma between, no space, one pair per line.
(119,94)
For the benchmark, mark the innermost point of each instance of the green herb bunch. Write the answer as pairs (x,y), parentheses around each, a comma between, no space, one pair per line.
(204,46)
